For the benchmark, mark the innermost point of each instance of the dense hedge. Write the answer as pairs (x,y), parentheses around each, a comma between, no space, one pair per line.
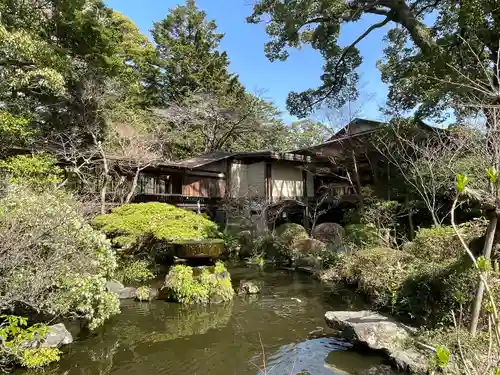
(424,281)
(51,260)
(127,223)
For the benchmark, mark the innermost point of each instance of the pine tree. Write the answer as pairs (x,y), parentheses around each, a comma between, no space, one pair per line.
(187,45)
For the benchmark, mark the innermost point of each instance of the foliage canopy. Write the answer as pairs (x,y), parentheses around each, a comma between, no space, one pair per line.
(432,54)
(127,223)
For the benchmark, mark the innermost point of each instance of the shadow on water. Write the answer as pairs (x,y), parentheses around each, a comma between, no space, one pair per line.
(286,319)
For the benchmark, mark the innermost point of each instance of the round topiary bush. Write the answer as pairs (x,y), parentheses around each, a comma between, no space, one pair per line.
(290,232)
(127,223)
(328,232)
(206,285)
(441,244)
(309,246)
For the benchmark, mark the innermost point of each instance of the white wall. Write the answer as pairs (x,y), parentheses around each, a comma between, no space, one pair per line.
(286,181)
(239,180)
(257,179)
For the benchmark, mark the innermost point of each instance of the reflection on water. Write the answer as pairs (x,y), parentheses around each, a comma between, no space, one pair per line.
(282,330)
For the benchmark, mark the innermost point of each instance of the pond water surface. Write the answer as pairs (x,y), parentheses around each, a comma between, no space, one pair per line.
(285,322)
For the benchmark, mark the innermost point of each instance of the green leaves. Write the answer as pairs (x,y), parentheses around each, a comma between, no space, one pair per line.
(429,62)
(15,334)
(461,182)
(60,53)
(442,356)
(492,174)
(130,222)
(36,171)
(483,264)
(188,48)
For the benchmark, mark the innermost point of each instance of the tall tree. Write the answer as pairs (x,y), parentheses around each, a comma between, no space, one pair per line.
(427,40)
(306,133)
(207,123)
(52,52)
(187,45)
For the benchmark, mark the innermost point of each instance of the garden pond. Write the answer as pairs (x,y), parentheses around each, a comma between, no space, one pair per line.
(285,322)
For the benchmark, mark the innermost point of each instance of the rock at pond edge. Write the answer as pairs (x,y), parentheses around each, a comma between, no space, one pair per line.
(248,287)
(114,286)
(379,333)
(58,335)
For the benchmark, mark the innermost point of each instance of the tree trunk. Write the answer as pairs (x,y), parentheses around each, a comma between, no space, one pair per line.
(435,219)
(358,186)
(488,245)
(411,226)
(133,187)
(103,195)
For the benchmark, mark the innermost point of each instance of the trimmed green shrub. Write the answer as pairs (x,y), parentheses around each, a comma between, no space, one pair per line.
(309,246)
(290,232)
(133,271)
(328,232)
(378,272)
(212,284)
(127,223)
(51,261)
(441,244)
(425,281)
(271,247)
(363,235)
(14,335)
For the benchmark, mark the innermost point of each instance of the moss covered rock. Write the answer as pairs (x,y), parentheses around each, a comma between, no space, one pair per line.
(290,232)
(328,232)
(127,223)
(188,285)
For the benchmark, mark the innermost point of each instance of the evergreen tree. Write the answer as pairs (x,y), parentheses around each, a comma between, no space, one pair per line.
(187,45)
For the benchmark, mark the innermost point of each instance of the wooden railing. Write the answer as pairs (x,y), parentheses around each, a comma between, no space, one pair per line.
(177,199)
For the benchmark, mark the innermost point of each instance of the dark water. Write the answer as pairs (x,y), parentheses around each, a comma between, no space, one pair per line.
(285,323)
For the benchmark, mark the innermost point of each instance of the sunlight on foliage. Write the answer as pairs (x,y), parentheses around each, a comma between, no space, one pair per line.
(127,223)
(15,334)
(209,285)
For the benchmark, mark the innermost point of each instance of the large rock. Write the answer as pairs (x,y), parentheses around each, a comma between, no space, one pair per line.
(379,333)
(58,335)
(248,287)
(328,232)
(114,286)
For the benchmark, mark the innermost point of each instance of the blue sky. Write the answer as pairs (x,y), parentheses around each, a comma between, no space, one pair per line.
(244,44)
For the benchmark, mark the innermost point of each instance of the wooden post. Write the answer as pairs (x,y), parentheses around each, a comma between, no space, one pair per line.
(268,182)
(305,200)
